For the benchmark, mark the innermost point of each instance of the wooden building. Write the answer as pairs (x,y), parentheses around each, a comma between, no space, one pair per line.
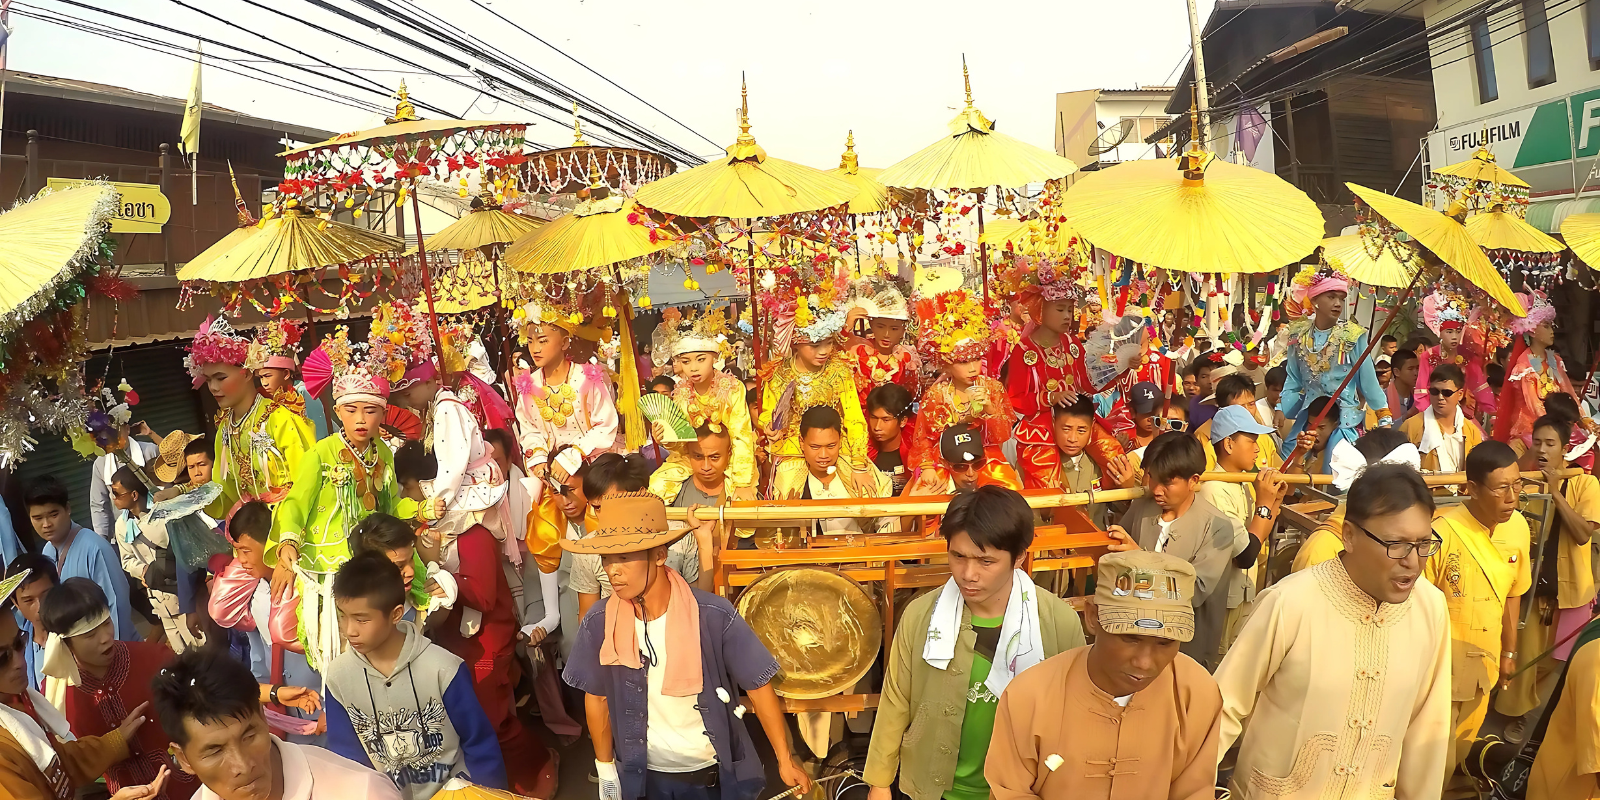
(1349,94)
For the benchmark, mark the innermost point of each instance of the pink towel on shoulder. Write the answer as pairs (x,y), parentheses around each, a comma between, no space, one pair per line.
(619,647)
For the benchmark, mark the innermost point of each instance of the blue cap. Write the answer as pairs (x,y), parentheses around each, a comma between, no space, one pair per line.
(1235,419)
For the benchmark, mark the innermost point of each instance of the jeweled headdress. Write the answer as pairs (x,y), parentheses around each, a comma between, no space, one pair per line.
(357,372)
(1443,311)
(1540,311)
(545,313)
(400,337)
(215,343)
(883,300)
(700,333)
(814,323)
(276,345)
(952,327)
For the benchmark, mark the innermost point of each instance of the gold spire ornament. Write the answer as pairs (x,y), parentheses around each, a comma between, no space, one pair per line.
(873,196)
(746,183)
(404,111)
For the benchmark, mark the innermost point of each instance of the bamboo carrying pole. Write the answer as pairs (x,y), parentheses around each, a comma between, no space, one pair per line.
(936,504)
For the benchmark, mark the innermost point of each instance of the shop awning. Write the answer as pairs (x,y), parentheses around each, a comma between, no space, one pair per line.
(1546,215)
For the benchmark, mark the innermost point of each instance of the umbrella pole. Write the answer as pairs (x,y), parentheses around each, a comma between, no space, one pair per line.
(427,283)
(1372,344)
(755,308)
(311,333)
(500,315)
(983,255)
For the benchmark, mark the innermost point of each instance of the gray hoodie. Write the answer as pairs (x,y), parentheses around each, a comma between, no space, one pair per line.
(420,726)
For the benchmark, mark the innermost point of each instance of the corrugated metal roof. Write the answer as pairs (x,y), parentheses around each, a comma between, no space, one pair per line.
(90,92)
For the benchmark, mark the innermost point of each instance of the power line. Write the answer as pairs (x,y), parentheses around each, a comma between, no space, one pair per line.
(564,54)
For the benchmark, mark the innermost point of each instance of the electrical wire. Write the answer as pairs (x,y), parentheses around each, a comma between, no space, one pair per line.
(184,52)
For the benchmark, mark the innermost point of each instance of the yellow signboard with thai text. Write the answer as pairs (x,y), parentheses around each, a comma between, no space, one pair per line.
(141,207)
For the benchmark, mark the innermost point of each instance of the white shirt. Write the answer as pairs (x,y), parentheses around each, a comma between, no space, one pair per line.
(675,733)
(1166,533)
(835,490)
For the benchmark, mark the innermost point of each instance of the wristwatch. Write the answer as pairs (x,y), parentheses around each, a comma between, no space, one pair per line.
(273,695)
(1264,512)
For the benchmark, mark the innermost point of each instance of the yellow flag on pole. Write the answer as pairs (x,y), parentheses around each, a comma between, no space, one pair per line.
(189,135)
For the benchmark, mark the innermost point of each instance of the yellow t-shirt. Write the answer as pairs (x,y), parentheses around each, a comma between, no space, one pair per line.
(1575,576)
(1477,570)
(1324,543)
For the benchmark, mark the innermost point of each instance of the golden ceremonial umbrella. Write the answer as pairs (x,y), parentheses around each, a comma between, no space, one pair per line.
(1195,213)
(1446,238)
(746,184)
(223,246)
(1391,269)
(567,170)
(1481,167)
(1499,229)
(45,243)
(976,156)
(873,196)
(462,789)
(295,241)
(1582,232)
(598,233)
(481,227)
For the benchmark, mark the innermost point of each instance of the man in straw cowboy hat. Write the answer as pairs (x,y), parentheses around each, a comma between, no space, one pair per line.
(1128,716)
(664,669)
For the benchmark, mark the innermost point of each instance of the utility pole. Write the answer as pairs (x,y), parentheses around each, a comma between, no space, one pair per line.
(1203,94)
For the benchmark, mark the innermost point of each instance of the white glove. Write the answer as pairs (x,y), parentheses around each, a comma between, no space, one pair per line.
(610,783)
(447,582)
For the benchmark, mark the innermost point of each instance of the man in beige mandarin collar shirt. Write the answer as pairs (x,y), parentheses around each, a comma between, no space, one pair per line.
(1126,718)
(1338,686)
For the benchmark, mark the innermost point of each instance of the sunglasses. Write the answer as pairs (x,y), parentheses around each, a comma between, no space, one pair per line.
(1434,391)
(966,466)
(1172,424)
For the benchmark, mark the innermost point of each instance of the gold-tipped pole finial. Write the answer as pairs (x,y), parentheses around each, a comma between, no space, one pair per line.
(404,111)
(594,175)
(577,128)
(744,111)
(966,79)
(849,161)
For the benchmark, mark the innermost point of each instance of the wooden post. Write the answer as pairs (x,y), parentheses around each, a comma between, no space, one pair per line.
(30,179)
(166,183)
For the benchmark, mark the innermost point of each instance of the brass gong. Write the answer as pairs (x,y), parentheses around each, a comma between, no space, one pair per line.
(821,626)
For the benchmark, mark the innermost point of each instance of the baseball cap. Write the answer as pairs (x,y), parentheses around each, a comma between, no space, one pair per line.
(1145,594)
(961,444)
(1235,419)
(1144,398)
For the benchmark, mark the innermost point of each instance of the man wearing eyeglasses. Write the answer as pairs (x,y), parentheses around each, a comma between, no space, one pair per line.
(1339,682)
(1442,432)
(1482,568)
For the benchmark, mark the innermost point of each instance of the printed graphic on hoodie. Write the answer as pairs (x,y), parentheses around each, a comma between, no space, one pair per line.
(404,743)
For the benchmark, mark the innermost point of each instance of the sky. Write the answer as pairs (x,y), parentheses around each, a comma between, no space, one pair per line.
(889,70)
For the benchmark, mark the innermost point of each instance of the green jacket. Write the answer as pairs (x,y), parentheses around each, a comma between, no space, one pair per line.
(917,731)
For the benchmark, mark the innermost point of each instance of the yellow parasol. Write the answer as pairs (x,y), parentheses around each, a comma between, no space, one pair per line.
(45,243)
(223,246)
(564,170)
(596,234)
(292,242)
(1195,213)
(1446,238)
(480,227)
(746,184)
(874,196)
(1482,167)
(1499,229)
(976,156)
(1582,232)
(1390,269)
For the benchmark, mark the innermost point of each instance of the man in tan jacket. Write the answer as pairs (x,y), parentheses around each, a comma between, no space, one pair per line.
(1443,432)
(1126,717)
(957,649)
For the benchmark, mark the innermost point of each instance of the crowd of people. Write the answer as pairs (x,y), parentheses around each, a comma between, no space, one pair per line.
(292,607)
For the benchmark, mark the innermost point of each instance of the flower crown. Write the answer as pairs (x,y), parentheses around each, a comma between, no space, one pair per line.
(703,333)
(215,343)
(399,340)
(276,345)
(1056,283)
(1539,309)
(814,323)
(1313,280)
(1444,311)
(953,327)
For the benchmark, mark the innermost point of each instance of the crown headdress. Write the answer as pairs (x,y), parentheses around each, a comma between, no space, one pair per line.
(357,372)
(276,345)
(813,322)
(1539,309)
(215,343)
(952,328)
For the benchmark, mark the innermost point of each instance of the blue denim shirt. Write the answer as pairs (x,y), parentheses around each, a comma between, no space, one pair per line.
(731,658)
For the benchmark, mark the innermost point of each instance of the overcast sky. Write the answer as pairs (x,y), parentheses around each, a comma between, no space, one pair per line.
(888,69)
